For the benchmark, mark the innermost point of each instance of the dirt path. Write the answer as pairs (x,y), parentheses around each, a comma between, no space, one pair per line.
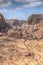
(21,52)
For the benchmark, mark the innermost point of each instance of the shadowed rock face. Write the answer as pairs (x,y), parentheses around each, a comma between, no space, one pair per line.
(3,25)
(2,22)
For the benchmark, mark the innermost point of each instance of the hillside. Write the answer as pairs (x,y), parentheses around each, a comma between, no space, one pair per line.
(35,18)
(21,41)
(21,52)
(28,31)
(22,28)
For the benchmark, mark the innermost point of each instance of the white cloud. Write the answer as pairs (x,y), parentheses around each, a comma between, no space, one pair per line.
(27,4)
(4,3)
(26,0)
(32,4)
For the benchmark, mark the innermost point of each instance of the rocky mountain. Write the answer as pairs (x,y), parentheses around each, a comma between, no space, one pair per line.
(35,18)
(14,22)
(28,30)
(3,25)
(23,29)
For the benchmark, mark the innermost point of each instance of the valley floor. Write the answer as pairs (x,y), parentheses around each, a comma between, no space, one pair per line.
(21,51)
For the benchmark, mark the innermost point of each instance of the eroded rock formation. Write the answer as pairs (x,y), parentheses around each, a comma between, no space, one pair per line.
(3,25)
(22,29)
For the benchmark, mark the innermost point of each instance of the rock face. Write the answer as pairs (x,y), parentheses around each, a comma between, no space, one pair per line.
(2,22)
(35,18)
(3,25)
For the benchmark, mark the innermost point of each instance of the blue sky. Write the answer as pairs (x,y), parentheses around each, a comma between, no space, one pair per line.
(20,9)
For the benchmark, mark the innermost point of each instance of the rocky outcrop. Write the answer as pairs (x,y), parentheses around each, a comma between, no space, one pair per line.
(28,32)
(29,29)
(3,25)
(35,18)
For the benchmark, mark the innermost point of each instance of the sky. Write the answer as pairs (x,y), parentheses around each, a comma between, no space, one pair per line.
(20,9)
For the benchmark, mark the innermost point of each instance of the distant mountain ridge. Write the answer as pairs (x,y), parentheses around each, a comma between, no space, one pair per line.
(23,28)
(33,19)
